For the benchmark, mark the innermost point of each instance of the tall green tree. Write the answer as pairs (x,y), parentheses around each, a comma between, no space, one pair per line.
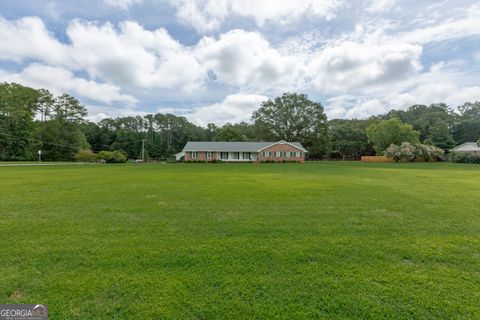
(467,124)
(392,131)
(293,117)
(18,105)
(347,139)
(61,135)
(230,133)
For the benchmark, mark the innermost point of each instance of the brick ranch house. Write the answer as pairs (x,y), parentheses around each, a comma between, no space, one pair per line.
(244,151)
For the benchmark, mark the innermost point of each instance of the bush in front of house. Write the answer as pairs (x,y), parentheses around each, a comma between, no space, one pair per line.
(461,157)
(408,152)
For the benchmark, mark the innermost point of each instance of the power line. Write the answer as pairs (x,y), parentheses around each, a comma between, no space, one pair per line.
(43,142)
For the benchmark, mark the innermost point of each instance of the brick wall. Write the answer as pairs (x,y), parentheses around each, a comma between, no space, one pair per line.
(283,148)
(201,155)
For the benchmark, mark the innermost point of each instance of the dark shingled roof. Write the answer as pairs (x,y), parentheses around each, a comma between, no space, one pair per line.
(222,146)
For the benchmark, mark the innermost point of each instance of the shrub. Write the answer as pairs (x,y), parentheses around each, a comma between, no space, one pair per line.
(461,157)
(403,152)
(407,152)
(85,155)
(119,157)
(428,152)
(111,157)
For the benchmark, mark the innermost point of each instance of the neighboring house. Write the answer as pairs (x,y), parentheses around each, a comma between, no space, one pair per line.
(468,147)
(180,156)
(244,151)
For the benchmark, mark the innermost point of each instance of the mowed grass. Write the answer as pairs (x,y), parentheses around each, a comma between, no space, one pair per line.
(334,240)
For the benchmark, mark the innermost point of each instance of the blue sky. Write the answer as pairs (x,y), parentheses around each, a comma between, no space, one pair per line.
(217,60)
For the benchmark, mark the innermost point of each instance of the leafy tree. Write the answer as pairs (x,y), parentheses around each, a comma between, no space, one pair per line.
(391,131)
(99,138)
(433,123)
(68,108)
(470,111)
(230,133)
(467,125)
(347,139)
(17,110)
(466,131)
(45,104)
(60,140)
(61,135)
(293,117)
(85,155)
(211,131)
(440,136)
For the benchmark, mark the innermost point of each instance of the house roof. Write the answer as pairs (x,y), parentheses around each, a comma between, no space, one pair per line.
(466,147)
(223,146)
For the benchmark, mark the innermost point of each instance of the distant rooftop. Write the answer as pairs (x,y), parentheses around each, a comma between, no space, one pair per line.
(466,147)
(223,146)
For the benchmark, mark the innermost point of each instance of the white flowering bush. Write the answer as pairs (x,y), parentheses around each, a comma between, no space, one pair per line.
(393,152)
(408,152)
(436,153)
(428,152)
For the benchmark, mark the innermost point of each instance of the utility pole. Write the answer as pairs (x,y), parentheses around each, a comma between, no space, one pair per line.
(143,150)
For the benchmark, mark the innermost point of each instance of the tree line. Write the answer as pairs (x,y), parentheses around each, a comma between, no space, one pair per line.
(32,120)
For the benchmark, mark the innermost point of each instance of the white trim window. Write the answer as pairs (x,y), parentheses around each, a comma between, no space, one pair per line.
(266,153)
(209,154)
(298,154)
(223,155)
(288,154)
(194,154)
(235,155)
(246,156)
(278,154)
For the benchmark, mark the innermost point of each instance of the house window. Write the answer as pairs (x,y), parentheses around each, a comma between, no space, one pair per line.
(298,154)
(224,155)
(266,154)
(246,156)
(288,154)
(209,155)
(278,154)
(235,155)
(194,155)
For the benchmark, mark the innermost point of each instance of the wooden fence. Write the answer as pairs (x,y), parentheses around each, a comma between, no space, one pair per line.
(375,159)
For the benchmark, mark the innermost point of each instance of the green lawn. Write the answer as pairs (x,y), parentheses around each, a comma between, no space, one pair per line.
(333,240)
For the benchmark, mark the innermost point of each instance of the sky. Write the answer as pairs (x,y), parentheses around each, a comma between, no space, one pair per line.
(215,61)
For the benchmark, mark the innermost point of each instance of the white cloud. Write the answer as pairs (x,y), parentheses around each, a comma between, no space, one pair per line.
(379,6)
(457,27)
(208,15)
(133,56)
(29,38)
(234,108)
(350,65)
(204,15)
(240,58)
(59,81)
(122,4)
(441,83)
(286,11)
